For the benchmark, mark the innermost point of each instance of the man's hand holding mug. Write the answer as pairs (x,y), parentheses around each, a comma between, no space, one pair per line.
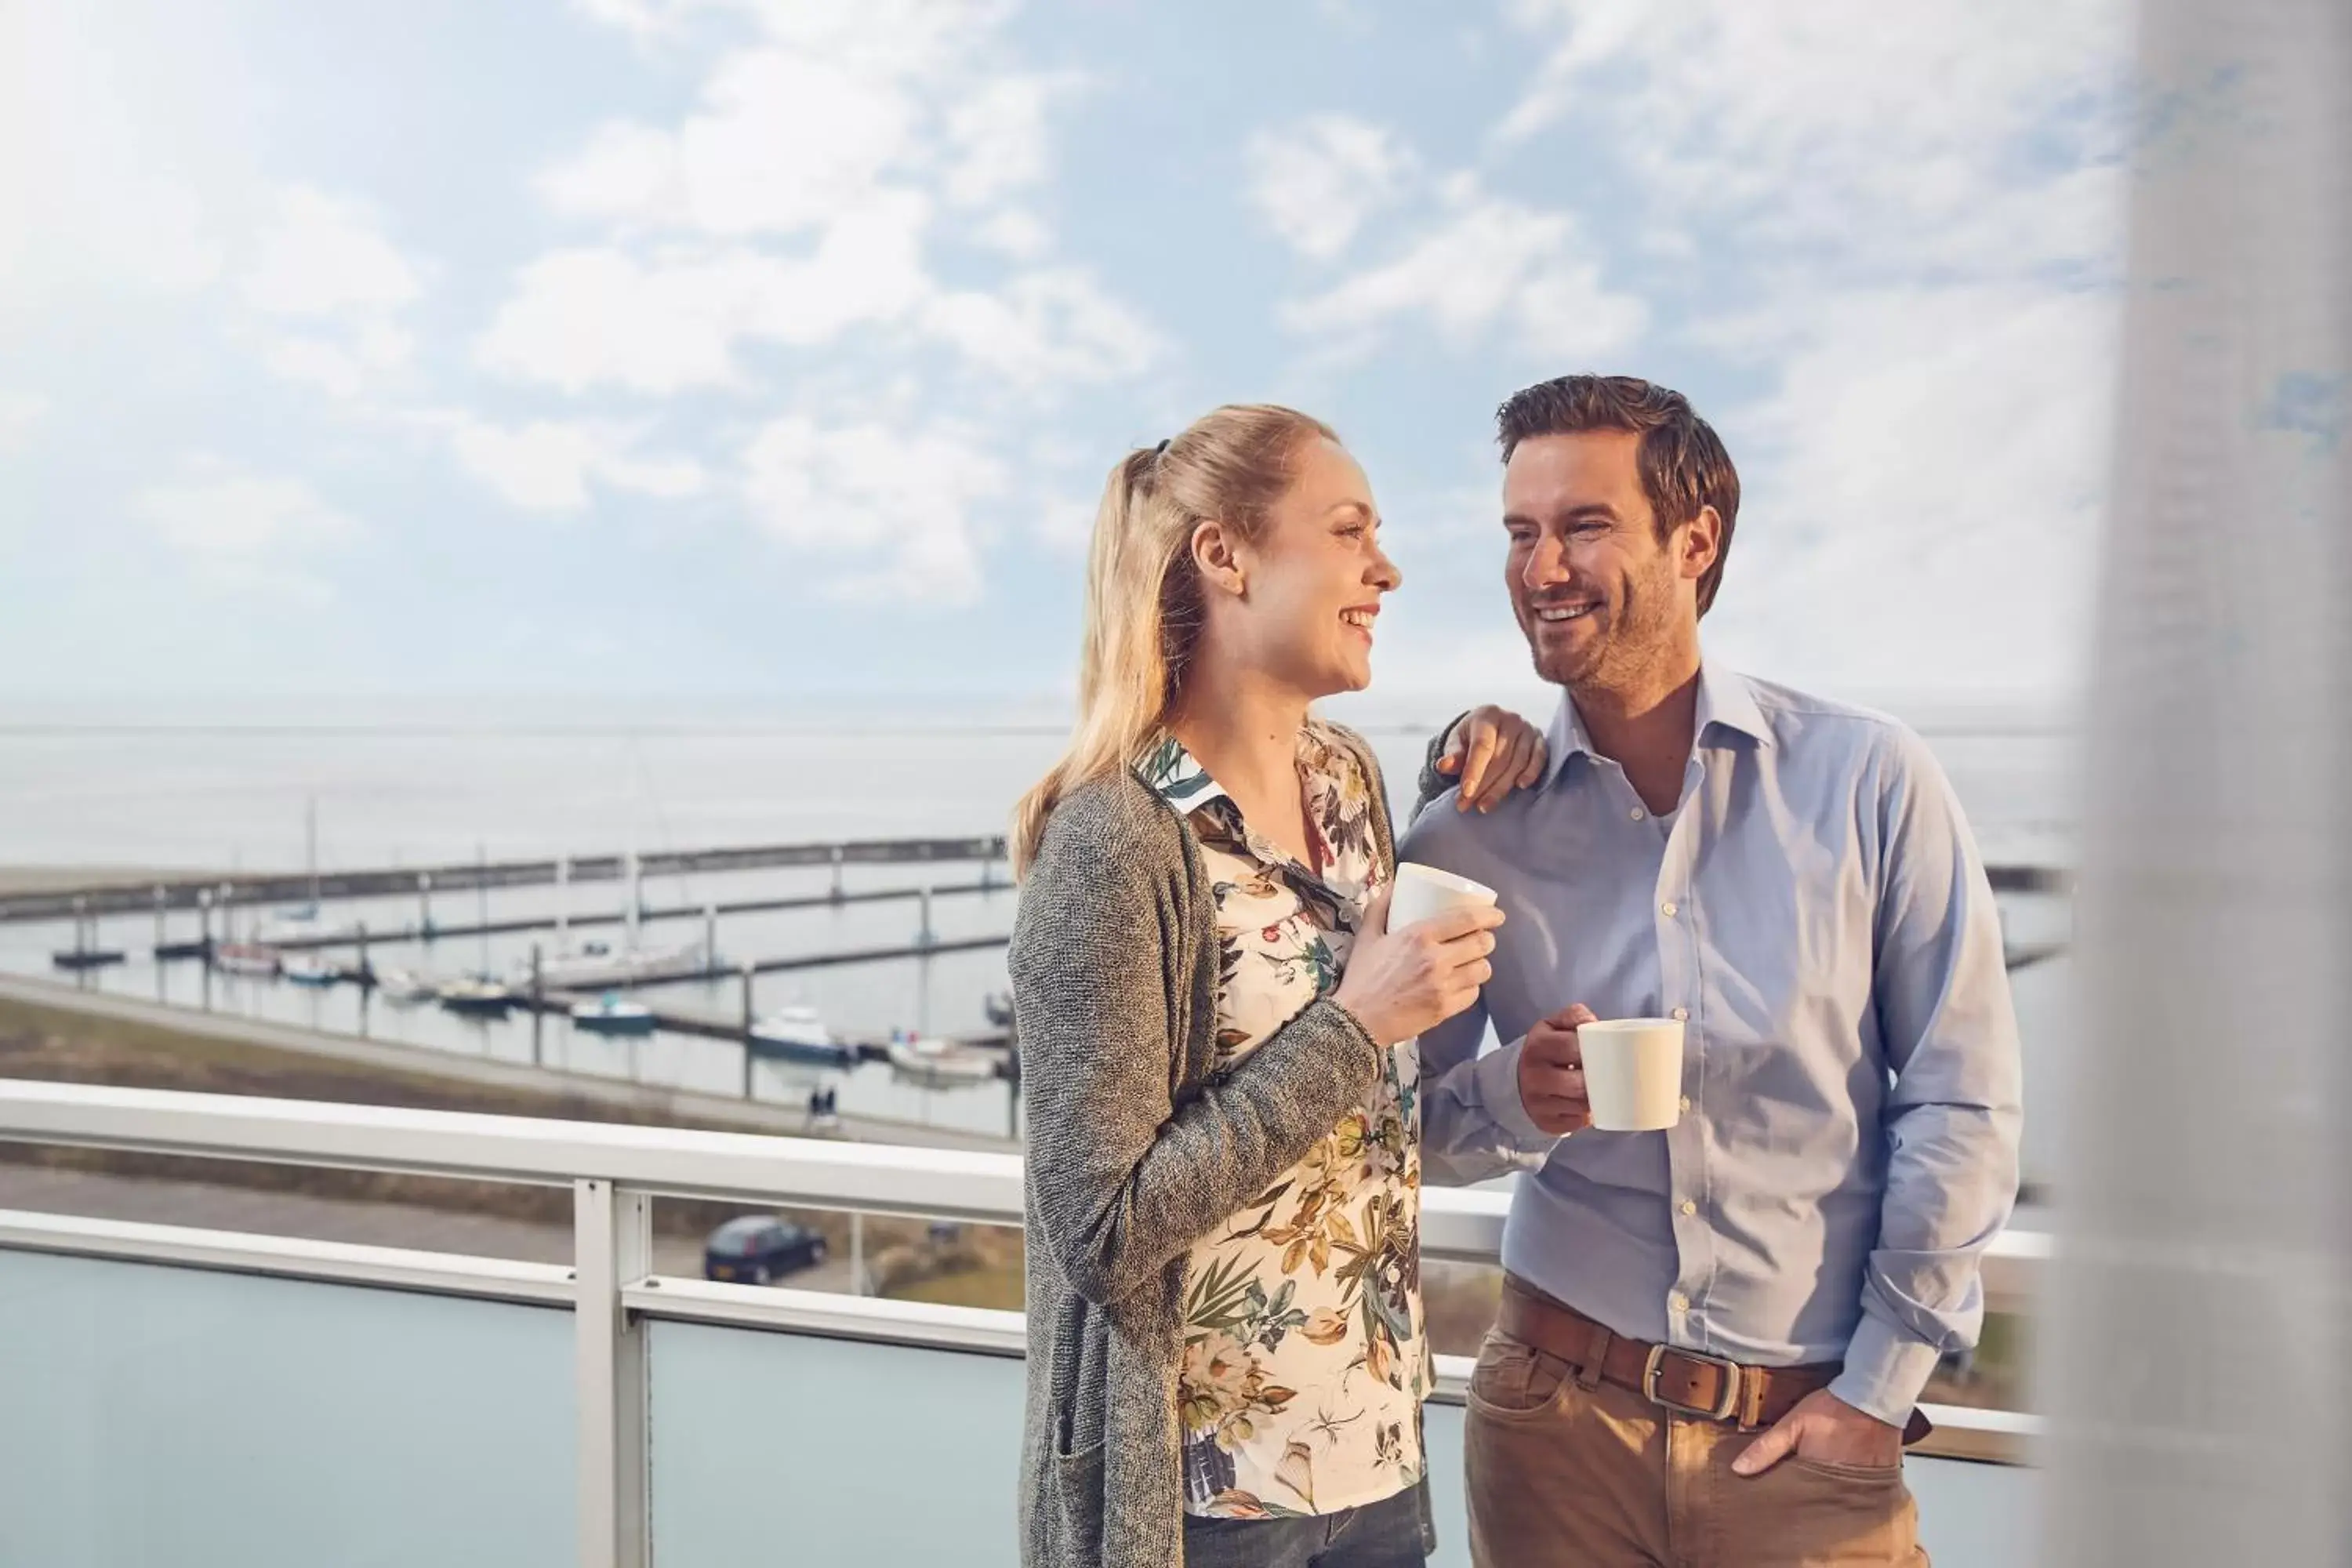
(1551,1073)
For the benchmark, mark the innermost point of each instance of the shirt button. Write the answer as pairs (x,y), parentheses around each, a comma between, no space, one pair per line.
(1682,1014)
(1689,1208)
(1678,1303)
(1686,1105)
(1639,814)
(1667,910)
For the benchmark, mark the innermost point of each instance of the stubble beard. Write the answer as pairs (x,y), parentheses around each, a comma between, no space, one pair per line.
(1625,657)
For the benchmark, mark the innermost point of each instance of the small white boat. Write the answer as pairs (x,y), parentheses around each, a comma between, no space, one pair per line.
(610,1014)
(798,1034)
(310,969)
(942,1062)
(476,996)
(245,958)
(407,987)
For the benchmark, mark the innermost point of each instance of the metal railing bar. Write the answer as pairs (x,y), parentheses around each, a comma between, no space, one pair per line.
(1462,1225)
(289,1257)
(948,1183)
(922,1325)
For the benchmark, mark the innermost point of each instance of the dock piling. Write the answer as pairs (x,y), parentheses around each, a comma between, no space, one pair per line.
(204,943)
(537,1003)
(749,972)
(424,906)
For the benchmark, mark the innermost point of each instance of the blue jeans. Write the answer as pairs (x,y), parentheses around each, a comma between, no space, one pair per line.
(1386,1534)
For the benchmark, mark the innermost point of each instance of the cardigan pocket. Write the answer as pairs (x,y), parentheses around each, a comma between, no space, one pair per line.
(1078,1506)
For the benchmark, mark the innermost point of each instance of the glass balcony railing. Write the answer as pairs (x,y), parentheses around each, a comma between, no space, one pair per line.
(186,1396)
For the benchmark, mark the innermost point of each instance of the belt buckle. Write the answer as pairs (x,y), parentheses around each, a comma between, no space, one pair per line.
(1732,1378)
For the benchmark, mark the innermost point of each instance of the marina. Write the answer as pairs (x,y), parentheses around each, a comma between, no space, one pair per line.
(828,863)
(804,976)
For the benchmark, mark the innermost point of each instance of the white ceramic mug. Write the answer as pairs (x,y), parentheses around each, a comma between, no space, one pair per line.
(1424,893)
(1633,1073)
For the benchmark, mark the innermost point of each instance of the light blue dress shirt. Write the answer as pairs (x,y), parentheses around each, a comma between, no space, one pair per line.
(1817,913)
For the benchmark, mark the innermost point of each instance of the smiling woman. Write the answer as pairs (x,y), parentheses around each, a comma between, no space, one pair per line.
(1224,475)
(1216,1030)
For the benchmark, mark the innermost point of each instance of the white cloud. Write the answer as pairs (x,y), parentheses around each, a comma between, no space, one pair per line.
(644,18)
(998,139)
(1316,182)
(244,531)
(1924,490)
(840,135)
(1488,266)
(784,143)
(345,368)
(858,492)
(329,287)
(1016,233)
(1068,522)
(1926,225)
(324,255)
(1049,329)
(547,466)
(1983,135)
(20,414)
(579,319)
(95,194)
(589,318)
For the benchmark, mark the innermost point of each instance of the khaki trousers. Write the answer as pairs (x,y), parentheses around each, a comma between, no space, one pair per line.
(1561,1476)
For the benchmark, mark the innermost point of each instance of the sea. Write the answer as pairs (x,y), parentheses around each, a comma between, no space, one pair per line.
(172,795)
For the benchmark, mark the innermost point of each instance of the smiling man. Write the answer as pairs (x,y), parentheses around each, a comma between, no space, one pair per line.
(1713,1337)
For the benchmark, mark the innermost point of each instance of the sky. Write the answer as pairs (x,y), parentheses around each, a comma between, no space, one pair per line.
(773,352)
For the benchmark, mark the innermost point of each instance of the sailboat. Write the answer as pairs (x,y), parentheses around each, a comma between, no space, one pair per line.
(480,995)
(595,967)
(306,924)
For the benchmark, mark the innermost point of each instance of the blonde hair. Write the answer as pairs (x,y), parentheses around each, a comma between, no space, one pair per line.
(1143,591)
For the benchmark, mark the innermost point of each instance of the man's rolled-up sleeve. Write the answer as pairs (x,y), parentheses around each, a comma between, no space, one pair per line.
(1953,1113)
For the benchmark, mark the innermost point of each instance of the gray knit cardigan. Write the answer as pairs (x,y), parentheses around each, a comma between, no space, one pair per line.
(1135,1153)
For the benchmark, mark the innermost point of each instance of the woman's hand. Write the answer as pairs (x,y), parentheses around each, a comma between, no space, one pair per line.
(1399,984)
(1492,752)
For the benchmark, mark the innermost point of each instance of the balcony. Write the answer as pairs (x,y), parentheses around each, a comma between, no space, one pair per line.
(181,1396)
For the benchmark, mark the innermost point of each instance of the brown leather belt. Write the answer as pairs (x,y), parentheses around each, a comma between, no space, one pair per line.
(1689,1383)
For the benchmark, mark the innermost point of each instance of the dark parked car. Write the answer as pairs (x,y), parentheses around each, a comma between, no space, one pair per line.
(758,1249)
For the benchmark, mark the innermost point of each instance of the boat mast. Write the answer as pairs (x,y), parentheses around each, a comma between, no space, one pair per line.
(482,888)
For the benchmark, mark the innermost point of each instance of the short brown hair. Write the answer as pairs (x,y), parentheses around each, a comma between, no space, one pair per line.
(1684,464)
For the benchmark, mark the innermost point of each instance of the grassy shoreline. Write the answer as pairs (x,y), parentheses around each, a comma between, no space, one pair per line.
(60,1045)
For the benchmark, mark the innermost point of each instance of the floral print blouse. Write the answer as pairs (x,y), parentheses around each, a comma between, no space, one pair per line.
(1304,1360)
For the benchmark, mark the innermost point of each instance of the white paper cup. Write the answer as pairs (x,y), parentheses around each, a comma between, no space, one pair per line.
(1424,893)
(1633,1073)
